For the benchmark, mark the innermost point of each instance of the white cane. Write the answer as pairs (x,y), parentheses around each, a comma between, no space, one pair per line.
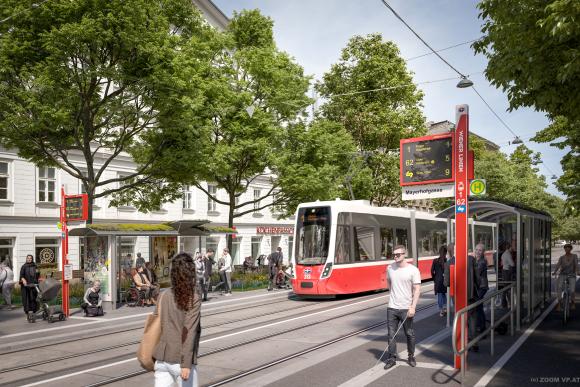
(393,338)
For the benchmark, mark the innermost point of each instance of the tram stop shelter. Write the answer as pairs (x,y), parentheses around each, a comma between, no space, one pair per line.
(105,257)
(528,231)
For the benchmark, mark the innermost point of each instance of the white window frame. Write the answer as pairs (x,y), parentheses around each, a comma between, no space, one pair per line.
(188,198)
(211,204)
(257,195)
(8,177)
(46,180)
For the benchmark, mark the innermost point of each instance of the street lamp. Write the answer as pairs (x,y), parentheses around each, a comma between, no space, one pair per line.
(517,140)
(464,82)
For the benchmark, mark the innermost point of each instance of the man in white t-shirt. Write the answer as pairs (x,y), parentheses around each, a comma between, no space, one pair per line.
(405,287)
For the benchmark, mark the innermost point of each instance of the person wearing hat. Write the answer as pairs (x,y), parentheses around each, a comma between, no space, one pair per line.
(567,267)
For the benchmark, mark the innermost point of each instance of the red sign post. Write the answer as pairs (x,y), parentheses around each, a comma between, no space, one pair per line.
(72,208)
(461,161)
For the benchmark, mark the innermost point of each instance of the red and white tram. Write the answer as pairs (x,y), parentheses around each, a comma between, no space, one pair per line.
(344,247)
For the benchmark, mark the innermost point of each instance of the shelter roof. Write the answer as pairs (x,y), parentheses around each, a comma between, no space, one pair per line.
(485,209)
(181,227)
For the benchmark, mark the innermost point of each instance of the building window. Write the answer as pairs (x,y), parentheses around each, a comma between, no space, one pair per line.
(46,184)
(211,204)
(47,252)
(4,180)
(6,250)
(212,243)
(256,247)
(82,189)
(235,253)
(257,195)
(187,197)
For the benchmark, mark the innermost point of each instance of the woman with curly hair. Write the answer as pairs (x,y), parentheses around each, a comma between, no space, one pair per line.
(176,354)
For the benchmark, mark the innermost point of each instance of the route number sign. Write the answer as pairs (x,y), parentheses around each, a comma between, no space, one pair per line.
(427,160)
(76,207)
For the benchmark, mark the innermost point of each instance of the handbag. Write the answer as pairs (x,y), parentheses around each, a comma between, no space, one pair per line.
(151,337)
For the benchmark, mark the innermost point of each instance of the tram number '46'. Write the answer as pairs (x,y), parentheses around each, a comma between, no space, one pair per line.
(460,202)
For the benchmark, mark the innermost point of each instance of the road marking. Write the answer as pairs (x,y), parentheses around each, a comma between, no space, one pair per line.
(204,341)
(79,373)
(489,375)
(378,371)
(91,320)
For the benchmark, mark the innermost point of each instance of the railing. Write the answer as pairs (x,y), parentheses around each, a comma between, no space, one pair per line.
(488,331)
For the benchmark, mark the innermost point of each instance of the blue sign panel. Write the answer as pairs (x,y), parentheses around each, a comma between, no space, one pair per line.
(459,209)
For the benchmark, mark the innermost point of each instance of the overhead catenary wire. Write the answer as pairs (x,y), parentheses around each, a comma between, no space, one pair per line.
(442,49)
(436,52)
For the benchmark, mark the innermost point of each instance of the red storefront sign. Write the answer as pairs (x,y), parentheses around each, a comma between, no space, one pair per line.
(461,161)
(274,230)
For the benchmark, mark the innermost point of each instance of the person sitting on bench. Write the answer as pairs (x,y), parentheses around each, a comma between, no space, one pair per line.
(93,301)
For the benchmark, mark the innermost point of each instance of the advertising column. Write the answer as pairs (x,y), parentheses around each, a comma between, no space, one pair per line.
(461,222)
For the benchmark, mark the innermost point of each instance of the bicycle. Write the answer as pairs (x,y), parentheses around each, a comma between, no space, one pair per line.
(566,299)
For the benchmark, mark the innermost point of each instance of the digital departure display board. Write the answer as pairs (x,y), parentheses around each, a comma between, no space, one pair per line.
(427,160)
(75,207)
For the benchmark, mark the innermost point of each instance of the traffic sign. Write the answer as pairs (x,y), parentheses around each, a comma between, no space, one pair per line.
(477,187)
(426,160)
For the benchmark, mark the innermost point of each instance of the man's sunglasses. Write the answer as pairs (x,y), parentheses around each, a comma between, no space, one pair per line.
(398,254)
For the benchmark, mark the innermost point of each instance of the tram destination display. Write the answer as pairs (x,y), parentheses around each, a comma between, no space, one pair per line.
(426,160)
(75,207)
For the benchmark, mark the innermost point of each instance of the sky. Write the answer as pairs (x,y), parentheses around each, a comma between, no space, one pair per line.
(315,31)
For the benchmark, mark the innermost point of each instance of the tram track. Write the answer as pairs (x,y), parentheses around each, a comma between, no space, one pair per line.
(136,342)
(266,365)
(124,358)
(141,325)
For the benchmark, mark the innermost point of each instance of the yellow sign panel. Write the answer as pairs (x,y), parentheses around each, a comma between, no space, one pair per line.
(477,187)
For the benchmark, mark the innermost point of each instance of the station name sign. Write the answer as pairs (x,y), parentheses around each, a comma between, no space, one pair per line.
(274,230)
(76,207)
(427,160)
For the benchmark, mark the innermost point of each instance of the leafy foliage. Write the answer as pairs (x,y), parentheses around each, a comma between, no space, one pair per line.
(92,79)
(376,120)
(533,52)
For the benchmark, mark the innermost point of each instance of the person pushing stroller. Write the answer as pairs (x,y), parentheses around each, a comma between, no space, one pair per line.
(274,265)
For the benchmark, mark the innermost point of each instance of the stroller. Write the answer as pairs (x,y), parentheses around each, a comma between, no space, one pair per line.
(283,280)
(47,291)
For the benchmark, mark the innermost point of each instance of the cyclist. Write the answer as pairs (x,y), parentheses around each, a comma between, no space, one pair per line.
(568,267)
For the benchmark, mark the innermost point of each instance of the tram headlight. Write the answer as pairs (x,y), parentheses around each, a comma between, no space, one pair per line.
(326,271)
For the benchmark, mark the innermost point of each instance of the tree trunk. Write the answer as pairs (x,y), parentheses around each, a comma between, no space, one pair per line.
(90,194)
(231,221)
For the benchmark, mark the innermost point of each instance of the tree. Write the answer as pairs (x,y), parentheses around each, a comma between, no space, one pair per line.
(532,52)
(254,92)
(371,93)
(313,165)
(98,79)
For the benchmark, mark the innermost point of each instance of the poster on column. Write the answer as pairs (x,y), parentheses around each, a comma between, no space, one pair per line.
(96,264)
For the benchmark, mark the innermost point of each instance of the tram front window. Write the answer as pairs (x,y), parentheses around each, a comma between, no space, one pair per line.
(313,230)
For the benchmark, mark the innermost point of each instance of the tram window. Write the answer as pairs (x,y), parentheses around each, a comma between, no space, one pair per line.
(431,235)
(342,251)
(364,239)
(387,243)
(313,230)
(401,237)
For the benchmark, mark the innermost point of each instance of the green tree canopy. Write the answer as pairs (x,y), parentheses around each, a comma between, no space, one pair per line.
(371,93)
(532,52)
(96,78)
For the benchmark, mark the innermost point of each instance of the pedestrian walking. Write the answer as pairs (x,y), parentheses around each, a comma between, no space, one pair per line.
(6,282)
(200,273)
(29,276)
(481,268)
(405,289)
(274,265)
(209,262)
(227,270)
(176,353)
(447,273)
(437,273)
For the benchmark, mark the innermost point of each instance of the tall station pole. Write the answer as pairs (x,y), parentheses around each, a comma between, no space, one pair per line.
(461,160)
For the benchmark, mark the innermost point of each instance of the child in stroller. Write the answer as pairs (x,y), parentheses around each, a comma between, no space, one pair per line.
(283,278)
(47,291)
